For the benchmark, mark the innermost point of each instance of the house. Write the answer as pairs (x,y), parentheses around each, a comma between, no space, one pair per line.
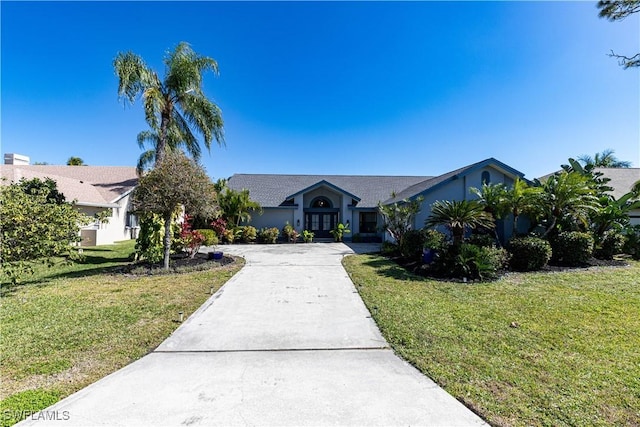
(95,189)
(622,181)
(319,202)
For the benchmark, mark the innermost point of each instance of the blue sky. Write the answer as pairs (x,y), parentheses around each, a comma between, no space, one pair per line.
(411,88)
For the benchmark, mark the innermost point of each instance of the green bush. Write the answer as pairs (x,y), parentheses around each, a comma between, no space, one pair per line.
(412,244)
(572,248)
(434,239)
(484,240)
(389,248)
(269,235)
(611,244)
(632,241)
(209,235)
(528,253)
(249,234)
(469,261)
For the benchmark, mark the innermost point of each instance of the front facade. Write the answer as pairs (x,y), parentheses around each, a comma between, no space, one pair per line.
(96,190)
(318,202)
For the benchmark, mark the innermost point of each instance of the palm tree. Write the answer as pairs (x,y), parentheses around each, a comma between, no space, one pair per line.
(605,159)
(175,107)
(237,206)
(567,196)
(149,157)
(521,198)
(458,216)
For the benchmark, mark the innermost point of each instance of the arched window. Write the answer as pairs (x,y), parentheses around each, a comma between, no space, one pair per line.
(486,177)
(321,202)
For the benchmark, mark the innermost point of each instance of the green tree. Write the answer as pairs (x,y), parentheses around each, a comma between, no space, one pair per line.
(398,217)
(605,159)
(175,107)
(235,206)
(617,10)
(49,187)
(458,216)
(176,182)
(567,198)
(75,161)
(35,226)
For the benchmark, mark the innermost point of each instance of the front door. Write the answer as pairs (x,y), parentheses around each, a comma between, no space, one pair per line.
(321,223)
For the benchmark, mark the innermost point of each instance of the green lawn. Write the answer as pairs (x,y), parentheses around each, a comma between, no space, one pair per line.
(70,326)
(529,349)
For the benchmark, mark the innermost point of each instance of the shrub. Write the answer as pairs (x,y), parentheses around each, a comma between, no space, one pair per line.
(412,244)
(228,236)
(632,241)
(290,233)
(307,236)
(389,248)
(269,235)
(611,244)
(572,248)
(434,239)
(469,261)
(219,226)
(249,234)
(528,253)
(483,240)
(210,238)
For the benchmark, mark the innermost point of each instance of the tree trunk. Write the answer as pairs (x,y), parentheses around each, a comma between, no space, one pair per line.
(167,240)
(161,148)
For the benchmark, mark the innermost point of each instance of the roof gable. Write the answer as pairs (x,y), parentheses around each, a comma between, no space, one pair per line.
(324,183)
(89,185)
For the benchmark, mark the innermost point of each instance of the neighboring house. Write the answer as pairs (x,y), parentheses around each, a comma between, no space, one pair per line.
(319,202)
(622,180)
(94,189)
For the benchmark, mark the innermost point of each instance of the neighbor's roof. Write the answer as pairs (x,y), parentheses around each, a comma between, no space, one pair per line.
(88,185)
(622,179)
(273,190)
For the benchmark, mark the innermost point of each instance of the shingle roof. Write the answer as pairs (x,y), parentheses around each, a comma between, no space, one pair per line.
(429,184)
(622,179)
(272,190)
(95,185)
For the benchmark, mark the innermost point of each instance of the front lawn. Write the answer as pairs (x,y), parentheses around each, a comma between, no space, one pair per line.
(70,326)
(529,349)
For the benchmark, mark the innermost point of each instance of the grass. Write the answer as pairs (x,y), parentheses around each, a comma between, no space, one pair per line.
(74,324)
(550,349)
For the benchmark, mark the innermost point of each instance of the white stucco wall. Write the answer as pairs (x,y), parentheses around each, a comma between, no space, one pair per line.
(116,229)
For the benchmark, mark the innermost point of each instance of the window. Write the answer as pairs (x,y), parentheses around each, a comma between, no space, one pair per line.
(368,222)
(486,178)
(321,202)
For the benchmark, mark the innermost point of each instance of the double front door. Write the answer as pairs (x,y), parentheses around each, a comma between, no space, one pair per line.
(321,223)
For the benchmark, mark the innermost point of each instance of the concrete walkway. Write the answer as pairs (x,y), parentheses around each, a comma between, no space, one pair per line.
(287,341)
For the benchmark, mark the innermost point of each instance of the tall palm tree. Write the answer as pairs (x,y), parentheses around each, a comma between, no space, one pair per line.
(458,216)
(605,159)
(176,106)
(174,142)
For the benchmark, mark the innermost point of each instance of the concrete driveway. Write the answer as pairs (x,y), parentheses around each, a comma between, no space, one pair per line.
(287,341)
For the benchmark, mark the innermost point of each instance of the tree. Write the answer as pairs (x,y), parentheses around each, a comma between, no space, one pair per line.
(75,161)
(175,107)
(458,216)
(176,182)
(617,10)
(48,187)
(605,159)
(568,198)
(35,226)
(398,217)
(235,206)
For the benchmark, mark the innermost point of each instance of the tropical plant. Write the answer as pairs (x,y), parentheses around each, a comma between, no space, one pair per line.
(567,198)
(572,248)
(610,244)
(235,206)
(149,245)
(604,159)
(339,231)
(269,235)
(398,216)
(176,106)
(36,186)
(632,241)
(177,181)
(458,216)
(307,236)
(612,214)
(413,244)
(290,233)
(75,161)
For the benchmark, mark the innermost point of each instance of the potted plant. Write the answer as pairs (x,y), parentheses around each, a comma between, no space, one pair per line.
(307,236)
(339,231)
